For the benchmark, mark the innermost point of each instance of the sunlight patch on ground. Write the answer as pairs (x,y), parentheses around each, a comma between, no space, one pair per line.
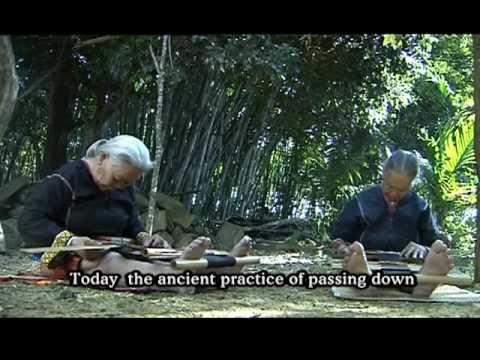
(240,313)
(290,258)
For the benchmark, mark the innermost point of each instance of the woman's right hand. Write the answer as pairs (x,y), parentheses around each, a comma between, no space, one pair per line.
(414,251)
(340,246)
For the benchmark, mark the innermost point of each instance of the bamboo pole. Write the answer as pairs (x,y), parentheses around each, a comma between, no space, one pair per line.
(158,131)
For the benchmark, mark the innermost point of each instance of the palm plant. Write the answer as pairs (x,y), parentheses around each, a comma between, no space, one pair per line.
(449,178)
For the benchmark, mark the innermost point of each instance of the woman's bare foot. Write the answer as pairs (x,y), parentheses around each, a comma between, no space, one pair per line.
(195,250)
(355,260)
(438,262)
(242,248)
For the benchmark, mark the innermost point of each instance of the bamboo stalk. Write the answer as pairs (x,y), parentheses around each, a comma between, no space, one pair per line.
(158,131)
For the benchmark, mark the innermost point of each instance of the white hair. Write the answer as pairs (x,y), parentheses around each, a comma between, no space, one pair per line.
(123,149)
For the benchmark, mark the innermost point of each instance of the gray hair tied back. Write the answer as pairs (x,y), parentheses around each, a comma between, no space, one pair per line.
(402,162)
(92,150)
(123,149)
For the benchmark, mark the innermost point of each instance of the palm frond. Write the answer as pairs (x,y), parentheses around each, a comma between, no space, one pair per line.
(459,149)
(452,175)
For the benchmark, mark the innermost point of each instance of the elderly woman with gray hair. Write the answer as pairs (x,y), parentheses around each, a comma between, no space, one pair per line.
(390,216)
(93,197)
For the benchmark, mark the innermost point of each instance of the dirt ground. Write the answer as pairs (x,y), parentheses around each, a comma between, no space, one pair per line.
(19,299)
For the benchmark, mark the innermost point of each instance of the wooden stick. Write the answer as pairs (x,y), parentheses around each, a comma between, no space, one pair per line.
(35,85)
(96,41)
(461,281)
(152,252)
(24,277)
(216,252)
(160,251)
(117,240)
(203,263)
(68,248)
(422,279)
(337,264)
(166,257)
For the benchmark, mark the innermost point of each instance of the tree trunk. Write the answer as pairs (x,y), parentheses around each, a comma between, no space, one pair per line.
(13,160)
(158,132)
(476,77)
(8,83)
(60,113)
(93,127)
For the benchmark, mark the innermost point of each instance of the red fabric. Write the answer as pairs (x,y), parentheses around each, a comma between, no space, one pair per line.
(391,208)
(40,279)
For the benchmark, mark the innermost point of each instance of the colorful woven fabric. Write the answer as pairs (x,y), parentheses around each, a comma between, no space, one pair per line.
(61,240)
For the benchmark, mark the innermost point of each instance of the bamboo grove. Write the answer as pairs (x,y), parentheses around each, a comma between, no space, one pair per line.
(289,125)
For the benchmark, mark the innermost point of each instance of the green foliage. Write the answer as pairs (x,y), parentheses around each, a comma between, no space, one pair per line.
(451,178)
(461,226)
(392,40)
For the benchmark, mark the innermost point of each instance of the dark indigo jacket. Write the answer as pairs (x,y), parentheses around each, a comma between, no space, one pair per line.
(51,208)
(366,219)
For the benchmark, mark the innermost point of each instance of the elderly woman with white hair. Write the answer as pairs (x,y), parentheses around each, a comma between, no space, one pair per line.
(93,197)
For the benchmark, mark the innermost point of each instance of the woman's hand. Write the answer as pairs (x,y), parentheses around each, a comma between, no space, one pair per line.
(154,240)
(414,251)
(340,247)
